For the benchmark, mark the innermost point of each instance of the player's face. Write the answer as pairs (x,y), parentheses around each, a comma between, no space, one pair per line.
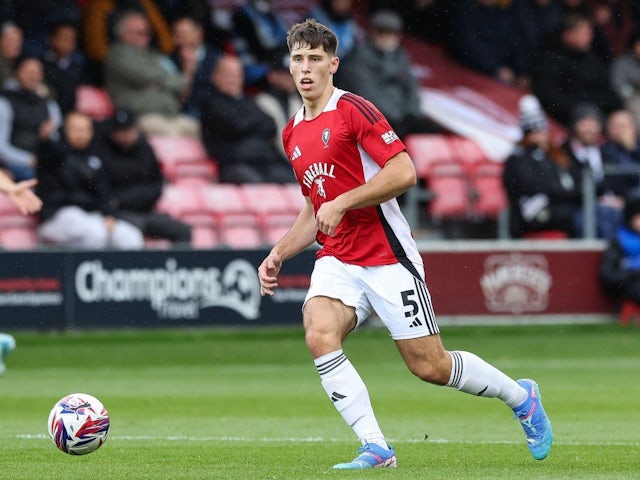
(312,70)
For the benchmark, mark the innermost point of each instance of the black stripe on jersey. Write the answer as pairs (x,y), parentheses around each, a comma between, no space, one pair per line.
(396,246)
(427,308)
(456,369)
(332,364)
(360,103)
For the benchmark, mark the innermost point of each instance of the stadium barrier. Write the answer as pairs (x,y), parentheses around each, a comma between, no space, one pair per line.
(470,282)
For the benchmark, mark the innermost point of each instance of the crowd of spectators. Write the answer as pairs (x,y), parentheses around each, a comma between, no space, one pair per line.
(182,68)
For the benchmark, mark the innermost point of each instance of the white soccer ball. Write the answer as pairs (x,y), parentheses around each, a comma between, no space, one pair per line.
(78,424)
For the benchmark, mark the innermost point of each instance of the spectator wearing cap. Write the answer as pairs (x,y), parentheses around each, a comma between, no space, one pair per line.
(380,71)
(77,201)
(136,181)
(483,38)
(24,113)
(237,133)
(279,99)
(571,72)
(143,80)
(584,147)
(195,59)
(64,65)
(543,193)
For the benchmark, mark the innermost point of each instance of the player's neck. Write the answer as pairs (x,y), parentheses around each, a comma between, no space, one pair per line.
(313,108)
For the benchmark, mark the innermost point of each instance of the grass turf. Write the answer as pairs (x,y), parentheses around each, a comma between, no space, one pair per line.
(247,404)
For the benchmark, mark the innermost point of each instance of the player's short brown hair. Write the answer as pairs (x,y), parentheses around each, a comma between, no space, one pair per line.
(312,34)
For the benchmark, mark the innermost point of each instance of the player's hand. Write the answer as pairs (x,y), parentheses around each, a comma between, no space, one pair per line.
(268,274)
(23,197)
(328,217)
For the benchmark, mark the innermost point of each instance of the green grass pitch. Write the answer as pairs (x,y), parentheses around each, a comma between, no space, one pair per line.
(247,404)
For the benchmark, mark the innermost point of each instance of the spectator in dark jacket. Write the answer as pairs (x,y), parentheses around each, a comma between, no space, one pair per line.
(572,72)
(238,133)
(380,70)
(64,65)
(136,181)
(620,264)
(622,148)
(542,192)
(74,188)
(483,38)
(23,113)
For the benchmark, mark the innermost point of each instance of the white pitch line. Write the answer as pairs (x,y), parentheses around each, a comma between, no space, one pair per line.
(178,438)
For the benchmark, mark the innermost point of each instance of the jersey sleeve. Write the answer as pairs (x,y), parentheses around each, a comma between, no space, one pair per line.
(371,128)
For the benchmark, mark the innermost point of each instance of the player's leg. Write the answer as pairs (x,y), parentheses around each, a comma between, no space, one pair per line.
(7,345)
(428,360)
(331,311)
(407,312)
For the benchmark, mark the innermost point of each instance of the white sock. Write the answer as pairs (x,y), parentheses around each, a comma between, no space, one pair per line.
(471,374)
(349,395)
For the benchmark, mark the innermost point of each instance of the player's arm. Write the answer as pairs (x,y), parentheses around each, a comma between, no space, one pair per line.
(300,236)
(20,193)
(396,177)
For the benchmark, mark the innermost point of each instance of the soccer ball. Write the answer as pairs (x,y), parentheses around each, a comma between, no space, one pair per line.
(78,424)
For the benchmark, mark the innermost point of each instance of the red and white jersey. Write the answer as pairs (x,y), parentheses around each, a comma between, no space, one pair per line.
(339,150)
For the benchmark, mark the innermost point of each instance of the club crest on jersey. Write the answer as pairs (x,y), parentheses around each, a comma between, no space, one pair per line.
(389,137)
(326,134)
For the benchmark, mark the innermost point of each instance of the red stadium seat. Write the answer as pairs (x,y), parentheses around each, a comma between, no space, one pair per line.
(294,196)
(204,237)
(467,152)
(450,192)
(178,200)
(265,198)
(489,196)
(223,199)
(241,237)
(546,235)
(427,150)
(629,313)
(94,101)
(18,238)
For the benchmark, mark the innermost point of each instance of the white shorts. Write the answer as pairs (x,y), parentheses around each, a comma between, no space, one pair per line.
(399,297)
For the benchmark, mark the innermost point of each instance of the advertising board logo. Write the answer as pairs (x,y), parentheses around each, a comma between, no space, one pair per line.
(173,292)
(516,283)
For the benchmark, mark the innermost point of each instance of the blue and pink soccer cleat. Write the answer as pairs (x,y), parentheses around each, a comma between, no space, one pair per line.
(371,456)
(534,421)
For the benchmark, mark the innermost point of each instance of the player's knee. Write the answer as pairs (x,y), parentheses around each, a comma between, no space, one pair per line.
(321,341)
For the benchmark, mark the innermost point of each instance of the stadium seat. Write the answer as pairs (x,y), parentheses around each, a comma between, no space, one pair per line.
(94,101)
(488,195)
(294,196)
(449,192)
(467,152)
(223,199)
(204,237)
(545,235)
(241,237)
(18,238)
(276,225)
(427,150)
(180,200)
(265,198)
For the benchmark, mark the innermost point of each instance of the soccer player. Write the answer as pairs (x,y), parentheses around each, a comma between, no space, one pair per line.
(351,166)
